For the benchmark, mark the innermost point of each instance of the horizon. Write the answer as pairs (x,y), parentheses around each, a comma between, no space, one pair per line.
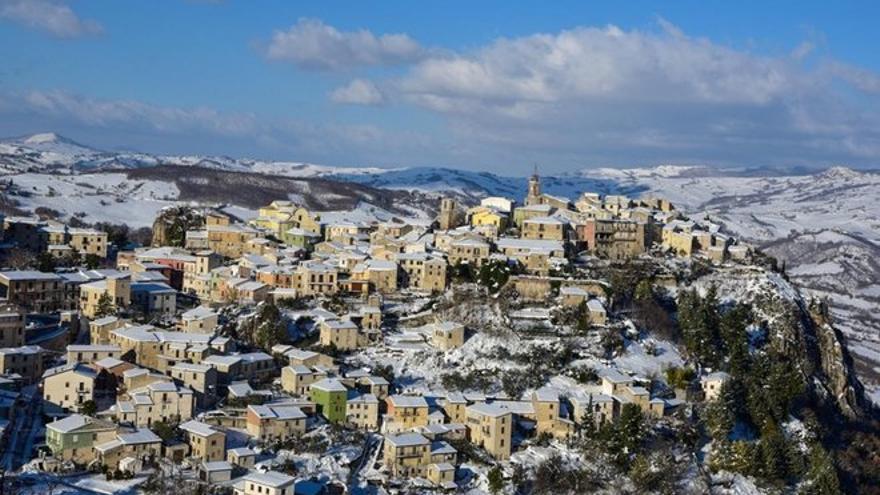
(567,86)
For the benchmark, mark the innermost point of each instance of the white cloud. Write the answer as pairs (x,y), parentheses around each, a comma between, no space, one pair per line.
(358,92)
(51,16)
(311,44)
(605,95)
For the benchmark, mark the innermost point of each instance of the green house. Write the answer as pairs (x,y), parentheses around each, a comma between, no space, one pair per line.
(331,397)
(297,237)
(73,437)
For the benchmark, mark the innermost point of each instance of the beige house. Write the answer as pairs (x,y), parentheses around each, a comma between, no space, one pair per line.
(242,457)
(69,386)
(205,442)
(447,335)
(25,361)
(99,330)
(271,483)
(712,384)
(159,401)
(381,274)
(423,272)
(468,251)
(539,228)
(11,326)
(603,407)
(405,412)
(413,455)
(33,291)
(343,334)
(315,278)
(269,423)
(229,240)
(490,427)
(201,319)
(362,411)
(141,445)
(201,378)
(117,287)
(297,378)
(90,353)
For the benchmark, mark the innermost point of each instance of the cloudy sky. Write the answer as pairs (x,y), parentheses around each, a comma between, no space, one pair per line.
(495,86)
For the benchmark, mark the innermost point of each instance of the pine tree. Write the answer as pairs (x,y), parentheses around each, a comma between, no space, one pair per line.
(270,328)
(821,477)
(586,429)
(496,480)
(105,306)
(773,453)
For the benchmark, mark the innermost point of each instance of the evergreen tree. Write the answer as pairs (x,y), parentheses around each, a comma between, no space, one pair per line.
(105,306)
(623,438)
(270,328)
(773,453)
(586,429)
(46,262)
(821,477)
(496,480)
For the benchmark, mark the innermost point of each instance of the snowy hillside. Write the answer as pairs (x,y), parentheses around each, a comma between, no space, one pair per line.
(825,226)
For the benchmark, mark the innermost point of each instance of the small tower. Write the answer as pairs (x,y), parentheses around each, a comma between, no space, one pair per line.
(447,214)
(534,192)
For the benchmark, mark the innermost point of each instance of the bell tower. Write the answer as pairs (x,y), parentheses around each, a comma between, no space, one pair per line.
(447,214)
(534,194)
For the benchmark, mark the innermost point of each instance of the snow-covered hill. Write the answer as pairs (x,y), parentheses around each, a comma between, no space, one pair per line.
(825,226)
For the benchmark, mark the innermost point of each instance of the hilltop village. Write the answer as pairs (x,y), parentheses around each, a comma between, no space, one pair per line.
(290,355)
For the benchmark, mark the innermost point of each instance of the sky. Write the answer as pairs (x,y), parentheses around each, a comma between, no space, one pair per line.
(492,85)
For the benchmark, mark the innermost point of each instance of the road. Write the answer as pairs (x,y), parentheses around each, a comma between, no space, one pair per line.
(366,459)
(19,448)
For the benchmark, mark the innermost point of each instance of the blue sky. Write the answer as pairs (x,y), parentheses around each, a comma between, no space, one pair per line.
(479,85)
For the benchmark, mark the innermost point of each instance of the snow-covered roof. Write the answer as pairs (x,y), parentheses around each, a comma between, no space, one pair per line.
(329,385)
(407,401)
(407,440)
(198,428)
(272,479)
(488,409)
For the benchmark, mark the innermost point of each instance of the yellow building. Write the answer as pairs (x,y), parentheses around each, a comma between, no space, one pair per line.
(205,442)
(362,411)
(413,455)
(158,401)
(296,379)
(490,427)
(468,251)
(382,275)
(343,334)
(11,326)
(25,361)
(677,236)
(405,412)
(117,287)
(272,423)
(69,386)
(544,228)
(484,216)
(447,335)
(89,353)
(422,271)
(271,483)
(141,445)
